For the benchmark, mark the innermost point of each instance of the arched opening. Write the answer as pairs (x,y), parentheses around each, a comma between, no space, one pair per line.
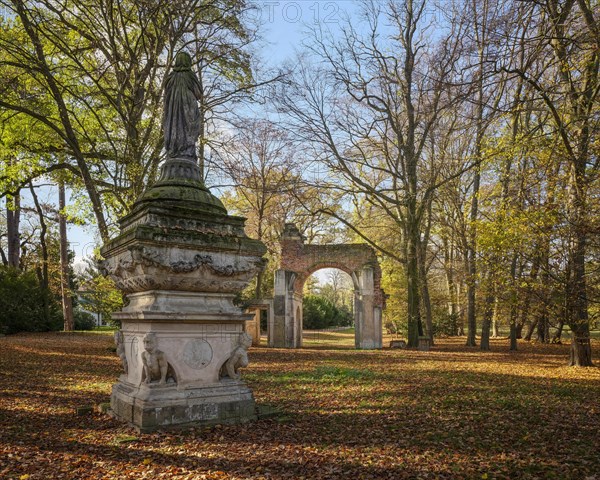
(328,309)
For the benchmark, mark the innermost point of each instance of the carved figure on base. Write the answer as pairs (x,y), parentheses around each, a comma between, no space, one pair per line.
(238,358)
(120,343)
(156,369)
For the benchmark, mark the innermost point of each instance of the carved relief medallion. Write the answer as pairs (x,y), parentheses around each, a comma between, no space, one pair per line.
(197,353)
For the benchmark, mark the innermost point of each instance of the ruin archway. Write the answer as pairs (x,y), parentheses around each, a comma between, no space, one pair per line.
(300,261)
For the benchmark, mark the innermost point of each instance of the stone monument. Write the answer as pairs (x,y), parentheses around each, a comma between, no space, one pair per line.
(181,259)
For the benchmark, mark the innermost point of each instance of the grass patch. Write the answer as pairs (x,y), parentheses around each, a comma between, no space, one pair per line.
(335,373)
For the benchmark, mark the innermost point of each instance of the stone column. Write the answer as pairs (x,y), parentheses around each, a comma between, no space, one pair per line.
(367,316)
(285,301)
(252,327)
(296,304)
(270,323)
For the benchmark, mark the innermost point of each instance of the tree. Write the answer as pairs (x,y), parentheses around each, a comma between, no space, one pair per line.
(24,304)
(319,312)
(261,163)
(38,259)
(13,219)
(368,114)
(486,94)
(91,75)
(338,289)
(67,301)
(568,41)
(99,294)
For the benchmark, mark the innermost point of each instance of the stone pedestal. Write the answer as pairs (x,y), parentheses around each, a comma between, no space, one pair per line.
(180,259)
(252,327)
(162,408)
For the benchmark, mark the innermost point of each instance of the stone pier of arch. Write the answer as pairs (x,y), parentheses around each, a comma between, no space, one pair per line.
(298,262)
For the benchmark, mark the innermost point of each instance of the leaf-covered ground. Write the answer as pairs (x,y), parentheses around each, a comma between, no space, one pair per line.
(449,413)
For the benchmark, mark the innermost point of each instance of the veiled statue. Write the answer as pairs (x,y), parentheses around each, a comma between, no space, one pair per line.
(181,120)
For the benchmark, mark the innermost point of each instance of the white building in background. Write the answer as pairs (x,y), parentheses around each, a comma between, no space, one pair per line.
(86,303)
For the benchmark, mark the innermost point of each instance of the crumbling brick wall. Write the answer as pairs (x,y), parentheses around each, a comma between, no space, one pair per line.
(307,259)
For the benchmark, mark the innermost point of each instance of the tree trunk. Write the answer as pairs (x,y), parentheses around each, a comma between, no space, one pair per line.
(425,298)
(472,246)
(495,319)
(42,272)
(513,337)
(543,325)
(427,307)
(513,306)
(460,328)
(577,304)
(480,31)
(558,333)
(67,301)
(578,122)
(13,218)
(581,350)
(530,330)
(412,277)
(535,267)
(259,234)
(487,321)
(519,330)
(451,287)
(543,335)
(471,319)
(524,321)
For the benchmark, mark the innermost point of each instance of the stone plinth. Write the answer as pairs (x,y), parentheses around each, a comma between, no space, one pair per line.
(252,327)
(163,408)
(181,260)
(196,346)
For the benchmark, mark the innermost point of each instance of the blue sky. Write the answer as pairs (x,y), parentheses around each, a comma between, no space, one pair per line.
(285,22)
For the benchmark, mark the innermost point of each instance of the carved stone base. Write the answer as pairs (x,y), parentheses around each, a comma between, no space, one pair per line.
(195,346)
(152,407)
(176,346)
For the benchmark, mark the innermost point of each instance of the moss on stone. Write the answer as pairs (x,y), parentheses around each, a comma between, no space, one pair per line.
(186,192)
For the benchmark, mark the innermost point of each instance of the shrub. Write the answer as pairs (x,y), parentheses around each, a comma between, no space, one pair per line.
(22,303)
(100,295)
(319,312)
(83,320)
(445,324)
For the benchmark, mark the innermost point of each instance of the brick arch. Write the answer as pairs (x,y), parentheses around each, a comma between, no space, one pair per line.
(304,260)
(299,261)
